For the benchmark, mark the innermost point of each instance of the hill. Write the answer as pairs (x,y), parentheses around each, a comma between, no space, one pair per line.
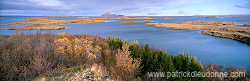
(108,14)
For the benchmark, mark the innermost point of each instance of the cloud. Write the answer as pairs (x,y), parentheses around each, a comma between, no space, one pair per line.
(199,10)
(94,7)
(47,2)
(125,9)
(98,7)
(45,5)
(183,12)
(246,5)
(153,13)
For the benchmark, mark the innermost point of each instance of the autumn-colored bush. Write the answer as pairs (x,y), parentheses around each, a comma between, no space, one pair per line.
(127,69)
(25,56)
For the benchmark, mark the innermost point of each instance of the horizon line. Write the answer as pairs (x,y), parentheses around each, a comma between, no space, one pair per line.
(135,15)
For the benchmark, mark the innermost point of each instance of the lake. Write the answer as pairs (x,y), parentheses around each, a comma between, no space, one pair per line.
(207,48)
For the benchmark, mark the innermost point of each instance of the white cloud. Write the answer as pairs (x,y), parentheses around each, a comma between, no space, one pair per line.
(246,5)
(48,2)
(72,12)
(124,7)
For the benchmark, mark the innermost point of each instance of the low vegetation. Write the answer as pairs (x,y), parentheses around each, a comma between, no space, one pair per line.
(3,19)
(102,18)
(227,29)
(83,18)
(197,25)
(46,55)
(45,23)
(32,28)
(214,17)
(140,21)
(125,17)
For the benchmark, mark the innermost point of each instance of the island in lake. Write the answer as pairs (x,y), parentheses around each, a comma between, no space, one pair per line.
(45,23)
(215,17)
(139,21)
(227,29)
(3,19)
(125,17)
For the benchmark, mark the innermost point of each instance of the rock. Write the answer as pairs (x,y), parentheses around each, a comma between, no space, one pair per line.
(108,14)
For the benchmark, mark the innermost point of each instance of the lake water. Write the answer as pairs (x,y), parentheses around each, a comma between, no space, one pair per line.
(207,48)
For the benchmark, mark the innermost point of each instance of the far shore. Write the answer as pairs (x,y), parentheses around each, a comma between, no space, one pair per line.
(37,23)
(139,21)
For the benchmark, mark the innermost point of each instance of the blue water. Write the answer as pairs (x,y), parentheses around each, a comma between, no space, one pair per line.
(243,23)
(208,49)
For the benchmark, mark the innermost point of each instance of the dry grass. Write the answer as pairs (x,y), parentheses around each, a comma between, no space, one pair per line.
(46,23)
(227,29)
(237,33)
(100,71)
(196,25)
(83,17)
(131,22)
(32,28)
(214,17)
(182,26)
(148,21)
(102,18)
(3,19)
(140,21)
(125,17)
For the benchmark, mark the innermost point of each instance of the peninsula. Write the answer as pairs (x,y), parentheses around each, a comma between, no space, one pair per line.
(214,17)
(140,21)
(37,23)
(83,17)
(3,19)
(125,17)
(227,29)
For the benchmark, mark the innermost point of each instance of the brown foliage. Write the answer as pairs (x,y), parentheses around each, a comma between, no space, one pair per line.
(220,68)
(23,57)
(126,69)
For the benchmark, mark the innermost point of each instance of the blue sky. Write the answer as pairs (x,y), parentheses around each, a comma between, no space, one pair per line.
(123,7)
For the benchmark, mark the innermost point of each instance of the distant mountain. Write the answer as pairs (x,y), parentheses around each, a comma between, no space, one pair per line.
(108,14)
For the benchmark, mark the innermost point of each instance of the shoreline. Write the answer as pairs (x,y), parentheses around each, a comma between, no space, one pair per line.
(37,23)
(140,21)
(227,29)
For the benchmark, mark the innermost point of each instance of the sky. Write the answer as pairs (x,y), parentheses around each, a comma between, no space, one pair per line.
(123,7)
